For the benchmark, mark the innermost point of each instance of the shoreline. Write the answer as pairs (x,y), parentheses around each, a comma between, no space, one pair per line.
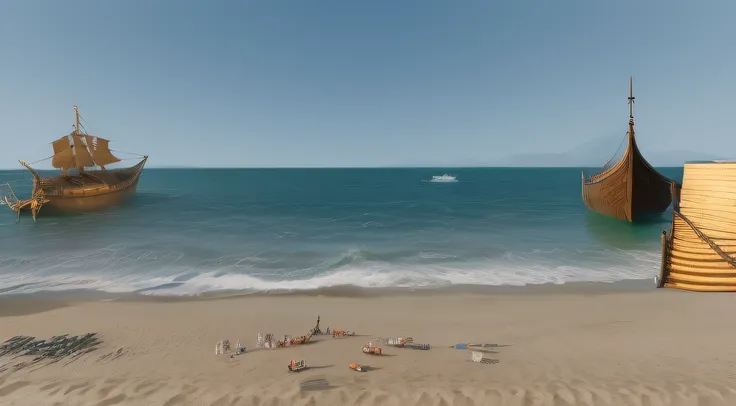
(83,295)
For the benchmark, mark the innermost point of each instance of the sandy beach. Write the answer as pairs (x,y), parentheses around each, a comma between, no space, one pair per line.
(556,346)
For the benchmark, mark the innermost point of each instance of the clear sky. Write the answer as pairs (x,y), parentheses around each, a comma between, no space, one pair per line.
(356,83)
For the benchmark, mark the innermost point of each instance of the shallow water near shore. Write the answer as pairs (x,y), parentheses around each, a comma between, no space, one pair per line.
(203,231)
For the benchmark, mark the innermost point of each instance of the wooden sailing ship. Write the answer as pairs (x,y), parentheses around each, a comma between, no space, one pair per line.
(699,253)
(631,189)
(84,184)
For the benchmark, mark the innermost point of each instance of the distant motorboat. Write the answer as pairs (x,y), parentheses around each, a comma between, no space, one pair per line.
(444,178)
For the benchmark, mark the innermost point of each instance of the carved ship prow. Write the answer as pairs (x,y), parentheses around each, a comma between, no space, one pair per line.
(631,189)
(85,185)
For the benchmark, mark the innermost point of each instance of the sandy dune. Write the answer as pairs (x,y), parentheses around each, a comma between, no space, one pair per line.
(658,347)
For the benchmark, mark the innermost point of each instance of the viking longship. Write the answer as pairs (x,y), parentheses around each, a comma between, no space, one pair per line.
(631,189)
(700,251)
(84,184)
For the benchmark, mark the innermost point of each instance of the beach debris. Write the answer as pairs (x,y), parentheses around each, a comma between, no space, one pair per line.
(396,342)
(316,330)
(268,341)
(297,366)
(370,349)
(48,351)
(404,342)
(342,333)
(478,356)
(356,367)
(222,347)
(289,341)
(113,355)
(465,346)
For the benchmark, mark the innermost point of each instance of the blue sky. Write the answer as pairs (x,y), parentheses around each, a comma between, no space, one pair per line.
(356,83)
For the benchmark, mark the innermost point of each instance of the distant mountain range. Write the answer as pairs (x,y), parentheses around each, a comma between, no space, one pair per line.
(596,152)
(591,154)
(657,159)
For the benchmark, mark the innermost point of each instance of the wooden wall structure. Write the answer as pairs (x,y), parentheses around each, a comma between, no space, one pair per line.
(699,253)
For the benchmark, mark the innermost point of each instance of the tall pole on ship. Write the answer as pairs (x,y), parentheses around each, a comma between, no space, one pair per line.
(631,97)
(631,106)
(76,127)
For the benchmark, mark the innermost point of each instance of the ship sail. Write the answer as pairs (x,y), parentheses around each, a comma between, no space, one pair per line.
(63,156)
(100,149)
(84,152)
(84,158)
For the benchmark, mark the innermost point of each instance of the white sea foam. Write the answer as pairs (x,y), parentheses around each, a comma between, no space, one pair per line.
(507,270)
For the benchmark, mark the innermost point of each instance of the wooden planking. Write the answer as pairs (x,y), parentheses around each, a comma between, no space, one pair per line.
(698,287)
(607,192)
(704,279)
(628,190)
(708,201)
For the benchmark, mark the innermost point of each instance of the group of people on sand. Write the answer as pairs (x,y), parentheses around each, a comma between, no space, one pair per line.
(289,341)
(341,333)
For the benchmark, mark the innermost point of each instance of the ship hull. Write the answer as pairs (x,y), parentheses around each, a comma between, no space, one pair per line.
(632,190)
(86,204)
(90,192)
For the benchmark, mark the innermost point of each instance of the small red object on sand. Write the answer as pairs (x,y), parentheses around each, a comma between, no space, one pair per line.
(296,366)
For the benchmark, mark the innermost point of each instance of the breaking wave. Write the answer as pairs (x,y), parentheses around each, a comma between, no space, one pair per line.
(136,273)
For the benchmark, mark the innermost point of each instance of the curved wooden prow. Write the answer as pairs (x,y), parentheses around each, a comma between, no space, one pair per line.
(35,174)
(37,196)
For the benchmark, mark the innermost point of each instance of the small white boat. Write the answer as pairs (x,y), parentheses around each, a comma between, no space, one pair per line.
(444,178)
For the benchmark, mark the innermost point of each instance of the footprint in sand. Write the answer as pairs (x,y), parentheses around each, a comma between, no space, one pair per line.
(142,386)
(112,401)
(10,388)
(75,387)
(49,386)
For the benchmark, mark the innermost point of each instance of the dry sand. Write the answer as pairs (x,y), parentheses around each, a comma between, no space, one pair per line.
(658,347)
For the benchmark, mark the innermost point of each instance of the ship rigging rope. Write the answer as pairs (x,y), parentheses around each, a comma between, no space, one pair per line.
(616,153)
(41,160)
(81,118)
(114,150)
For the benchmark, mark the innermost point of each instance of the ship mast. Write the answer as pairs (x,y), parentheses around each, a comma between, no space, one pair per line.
(631,106)
(82,154)
(77,140)
(76,127)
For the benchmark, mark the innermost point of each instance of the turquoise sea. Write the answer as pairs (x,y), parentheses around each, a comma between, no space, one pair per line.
(190,231)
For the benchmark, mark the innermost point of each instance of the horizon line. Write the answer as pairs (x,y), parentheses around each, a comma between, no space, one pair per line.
(377,167)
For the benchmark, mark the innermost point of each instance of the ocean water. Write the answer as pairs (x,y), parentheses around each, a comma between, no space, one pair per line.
(190,231)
